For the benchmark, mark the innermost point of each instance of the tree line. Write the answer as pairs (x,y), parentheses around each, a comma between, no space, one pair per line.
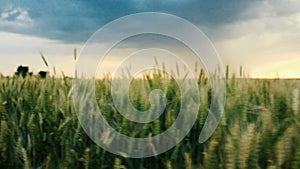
(24,71)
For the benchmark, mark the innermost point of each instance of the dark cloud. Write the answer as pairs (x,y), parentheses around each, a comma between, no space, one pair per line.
(76,20)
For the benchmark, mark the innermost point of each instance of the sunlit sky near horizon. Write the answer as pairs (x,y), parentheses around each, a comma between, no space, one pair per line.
(261,35)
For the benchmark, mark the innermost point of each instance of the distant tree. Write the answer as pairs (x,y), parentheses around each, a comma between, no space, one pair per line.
(43,74)
(22,71)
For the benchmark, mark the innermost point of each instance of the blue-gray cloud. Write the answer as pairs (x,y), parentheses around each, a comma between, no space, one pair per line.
(76,20)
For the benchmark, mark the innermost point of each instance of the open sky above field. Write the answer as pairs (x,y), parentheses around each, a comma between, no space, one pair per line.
(261,35)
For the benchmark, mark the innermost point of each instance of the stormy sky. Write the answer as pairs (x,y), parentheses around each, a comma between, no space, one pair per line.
(261,35)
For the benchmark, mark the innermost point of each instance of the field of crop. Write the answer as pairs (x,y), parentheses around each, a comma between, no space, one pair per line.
(259,129)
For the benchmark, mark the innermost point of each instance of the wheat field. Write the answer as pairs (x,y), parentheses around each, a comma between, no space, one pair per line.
(259,128)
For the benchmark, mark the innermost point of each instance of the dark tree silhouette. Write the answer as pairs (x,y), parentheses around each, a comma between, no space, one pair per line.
(43,74)
(22,71)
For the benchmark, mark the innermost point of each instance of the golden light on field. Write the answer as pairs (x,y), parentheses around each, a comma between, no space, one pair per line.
(289,69)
